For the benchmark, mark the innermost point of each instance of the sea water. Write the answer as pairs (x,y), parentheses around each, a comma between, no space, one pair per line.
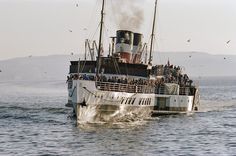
(34,121)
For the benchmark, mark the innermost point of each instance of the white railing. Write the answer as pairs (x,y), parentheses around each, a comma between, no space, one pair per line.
(184,91)
(130,88)
(120,87)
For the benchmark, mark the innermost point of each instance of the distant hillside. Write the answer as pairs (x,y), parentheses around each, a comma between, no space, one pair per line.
(201,64)
(53,67)
(56,67)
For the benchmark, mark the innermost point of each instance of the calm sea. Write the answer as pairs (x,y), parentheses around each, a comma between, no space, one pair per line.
(34,121)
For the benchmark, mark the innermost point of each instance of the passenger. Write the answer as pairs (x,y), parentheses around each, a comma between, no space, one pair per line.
(118,81)
(109,79)
(104,79)
(185,79)
(75,77)
(190,83)
(85,77)
(126,81)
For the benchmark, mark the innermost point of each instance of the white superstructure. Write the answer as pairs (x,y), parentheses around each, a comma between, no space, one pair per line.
(126,83)
(112,99)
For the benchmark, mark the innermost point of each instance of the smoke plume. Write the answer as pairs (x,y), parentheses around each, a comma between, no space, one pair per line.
(128,14)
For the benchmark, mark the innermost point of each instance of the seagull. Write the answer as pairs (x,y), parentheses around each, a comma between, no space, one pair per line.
(224,58)
(228,41)
(190,56)
(188,40)
(72,53)
(70,30)
(77,5)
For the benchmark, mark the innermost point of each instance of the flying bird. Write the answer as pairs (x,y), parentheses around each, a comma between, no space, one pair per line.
(224,58)
(188,40)
(228,42)
(70,30)
(77,5)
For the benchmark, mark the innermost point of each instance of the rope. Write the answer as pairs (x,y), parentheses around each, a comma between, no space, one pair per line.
(72,92)
(91,19)
(117,68)
(93,36)
(83,66)
(115,15)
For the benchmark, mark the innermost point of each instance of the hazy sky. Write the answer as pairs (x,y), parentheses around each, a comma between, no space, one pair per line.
(43,27)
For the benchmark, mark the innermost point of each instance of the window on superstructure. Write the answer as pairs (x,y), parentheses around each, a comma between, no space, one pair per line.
(122,100)
(133,101)
(126,101)
(143,101)
(140,101)
(130,99)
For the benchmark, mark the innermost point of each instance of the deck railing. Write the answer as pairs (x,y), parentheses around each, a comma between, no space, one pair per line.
(120,87)
(130,88)
(184,91)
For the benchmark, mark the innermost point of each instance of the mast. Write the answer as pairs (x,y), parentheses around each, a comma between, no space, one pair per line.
(100,40)
(152,36)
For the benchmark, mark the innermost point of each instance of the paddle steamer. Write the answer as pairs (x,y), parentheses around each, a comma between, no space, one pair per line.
(126,82)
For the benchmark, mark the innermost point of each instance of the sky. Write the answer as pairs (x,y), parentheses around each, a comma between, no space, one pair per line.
(43,27)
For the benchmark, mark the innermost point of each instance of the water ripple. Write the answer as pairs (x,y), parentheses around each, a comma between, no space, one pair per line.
(39,124)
